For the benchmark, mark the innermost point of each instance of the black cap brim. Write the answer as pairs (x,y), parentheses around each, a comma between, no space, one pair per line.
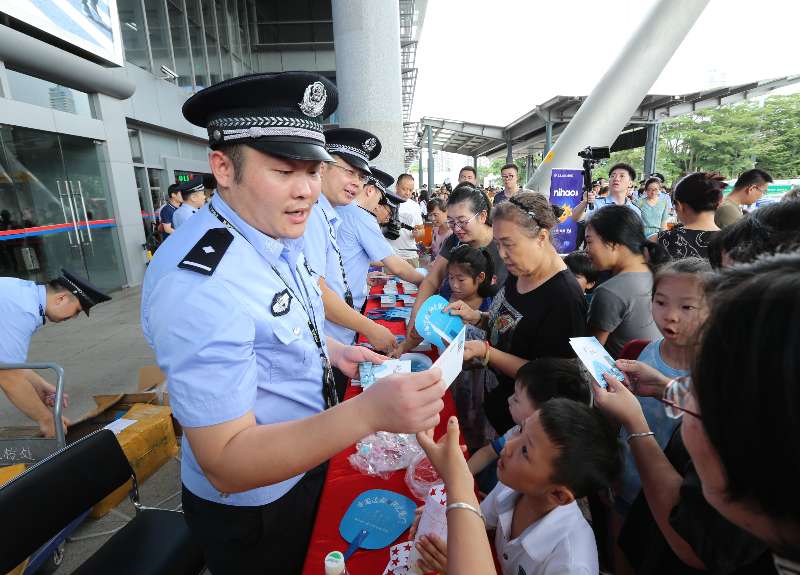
(87,294)
(292,150)
(354,161)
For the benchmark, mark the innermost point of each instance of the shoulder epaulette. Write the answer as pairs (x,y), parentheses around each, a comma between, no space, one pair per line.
(206,254)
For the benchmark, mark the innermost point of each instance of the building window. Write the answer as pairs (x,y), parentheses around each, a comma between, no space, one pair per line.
(210,23)
(136,146)
(197,40)
(160,43)
(180,45)
(40,92)
(131,21)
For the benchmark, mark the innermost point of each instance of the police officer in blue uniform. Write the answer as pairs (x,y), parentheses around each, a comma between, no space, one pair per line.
(25,306)
(234,313)
(361,240)
(194,196)
(342,180)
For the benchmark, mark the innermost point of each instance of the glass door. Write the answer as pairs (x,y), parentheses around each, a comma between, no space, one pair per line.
(87,190)
(59,212)
(50,237)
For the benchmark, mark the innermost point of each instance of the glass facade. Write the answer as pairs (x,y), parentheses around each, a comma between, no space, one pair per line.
(202,41)
(40,92)
(55,209)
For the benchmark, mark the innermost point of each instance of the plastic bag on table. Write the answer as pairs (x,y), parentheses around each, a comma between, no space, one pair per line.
(382,453)
(421,476)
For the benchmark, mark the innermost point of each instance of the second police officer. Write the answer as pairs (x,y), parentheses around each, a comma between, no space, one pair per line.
(235,316)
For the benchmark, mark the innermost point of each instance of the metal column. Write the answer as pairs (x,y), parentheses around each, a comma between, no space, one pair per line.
(509,155)
(419,168)
(548,136)
(651,148)
(431,180)
(607,110)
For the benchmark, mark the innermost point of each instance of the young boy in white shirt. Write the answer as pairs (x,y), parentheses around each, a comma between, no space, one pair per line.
(563,452)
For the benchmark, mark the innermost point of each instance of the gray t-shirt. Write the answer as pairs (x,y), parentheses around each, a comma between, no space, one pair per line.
(622,306)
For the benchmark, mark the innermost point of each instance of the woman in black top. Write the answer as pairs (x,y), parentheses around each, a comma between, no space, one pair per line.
(696,199)
(538,309)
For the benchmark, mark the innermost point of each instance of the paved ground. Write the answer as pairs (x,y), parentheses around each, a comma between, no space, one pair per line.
(100,354)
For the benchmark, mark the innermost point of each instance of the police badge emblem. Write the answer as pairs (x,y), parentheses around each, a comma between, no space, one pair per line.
(281,303)
(313,99)
(370,144)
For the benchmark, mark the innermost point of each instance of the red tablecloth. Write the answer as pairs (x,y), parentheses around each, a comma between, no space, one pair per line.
(344,483)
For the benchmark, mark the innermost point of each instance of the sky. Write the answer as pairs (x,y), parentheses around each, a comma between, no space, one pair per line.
(491,61)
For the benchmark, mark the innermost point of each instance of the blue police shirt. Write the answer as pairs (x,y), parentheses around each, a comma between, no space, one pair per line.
(321,254)
(361,241)
(182,214)
(22,305)
(609,201)
(224,349)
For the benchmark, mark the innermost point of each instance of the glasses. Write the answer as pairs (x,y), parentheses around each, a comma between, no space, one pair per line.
(360,176)
(676,396)
(460,223)
(509,176)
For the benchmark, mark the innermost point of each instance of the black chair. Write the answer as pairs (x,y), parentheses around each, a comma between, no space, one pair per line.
(48,496)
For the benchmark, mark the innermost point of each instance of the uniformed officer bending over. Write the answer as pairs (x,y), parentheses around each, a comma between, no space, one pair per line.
(236,319)
(342,181)
(193,195)
(24,307)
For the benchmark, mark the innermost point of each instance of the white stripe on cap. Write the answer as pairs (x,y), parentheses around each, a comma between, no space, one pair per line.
(357,152)
(259,131)
(75,289)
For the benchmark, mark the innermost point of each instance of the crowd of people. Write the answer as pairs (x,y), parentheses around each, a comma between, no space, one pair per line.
(699,315)
(253,302)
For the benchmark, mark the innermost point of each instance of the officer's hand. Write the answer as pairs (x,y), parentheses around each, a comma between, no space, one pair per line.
(349,356)
(589,197)
(47,429)
(381,338)
(406,403)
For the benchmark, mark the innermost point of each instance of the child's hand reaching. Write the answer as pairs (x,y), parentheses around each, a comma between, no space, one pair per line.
(447,456)
(434,554)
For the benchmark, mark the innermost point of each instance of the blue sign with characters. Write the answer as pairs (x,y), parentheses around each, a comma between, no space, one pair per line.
(566,192)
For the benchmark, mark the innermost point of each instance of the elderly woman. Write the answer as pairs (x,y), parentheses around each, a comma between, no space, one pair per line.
(539,307)
(696,199)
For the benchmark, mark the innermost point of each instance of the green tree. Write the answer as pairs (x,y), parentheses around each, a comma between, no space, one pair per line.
(778,150)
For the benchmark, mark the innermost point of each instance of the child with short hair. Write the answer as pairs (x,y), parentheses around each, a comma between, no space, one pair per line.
(563,452)
(580,264)
(536,382)
(679,310)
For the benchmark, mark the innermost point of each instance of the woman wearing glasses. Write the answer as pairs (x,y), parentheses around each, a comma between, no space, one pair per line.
(538,309)
(469,216)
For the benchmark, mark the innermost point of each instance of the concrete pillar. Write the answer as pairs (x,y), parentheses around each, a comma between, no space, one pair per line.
(607,110)
(548,136)
(475,163)
(366,38)
(431,180)
(509,155)
(651,148)
(122,183)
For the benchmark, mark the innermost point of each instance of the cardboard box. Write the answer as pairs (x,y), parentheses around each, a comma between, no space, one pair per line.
(148,444)
(151,378)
